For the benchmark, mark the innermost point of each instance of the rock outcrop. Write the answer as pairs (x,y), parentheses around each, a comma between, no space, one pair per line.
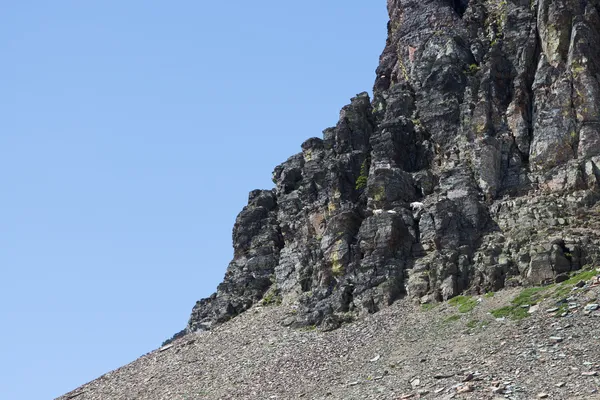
(473,167)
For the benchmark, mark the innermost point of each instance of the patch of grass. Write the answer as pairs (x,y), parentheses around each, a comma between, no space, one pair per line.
(563,290)
(272,297)
(452,318)
(472,324)
(562,309)
(428,306)
(464,303)
(489,295)
(582,276)
(309,328)
(516,311)
(512,312)
(529,296)
(502,312)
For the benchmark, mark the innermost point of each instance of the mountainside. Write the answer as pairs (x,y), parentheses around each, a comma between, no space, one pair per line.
(455,350)
(474,167)
(471,169)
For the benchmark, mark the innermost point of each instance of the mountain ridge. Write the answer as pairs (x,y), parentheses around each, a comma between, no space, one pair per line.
(472,168)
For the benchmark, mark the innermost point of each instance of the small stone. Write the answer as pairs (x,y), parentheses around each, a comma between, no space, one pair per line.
(465,389)
(415,382)
(590,373)
(533,308)
(560,384)
(551,310)
(375,359)
(542,396)
(592,307)
(165,348)
(498,389)
(556,339)
(469,378)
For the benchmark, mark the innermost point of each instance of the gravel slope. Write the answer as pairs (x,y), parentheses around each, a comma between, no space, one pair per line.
(404,351)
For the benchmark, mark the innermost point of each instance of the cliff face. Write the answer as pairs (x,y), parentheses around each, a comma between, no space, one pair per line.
(471,169)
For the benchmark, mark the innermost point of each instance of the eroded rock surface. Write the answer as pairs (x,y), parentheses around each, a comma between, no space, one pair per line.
(473,167)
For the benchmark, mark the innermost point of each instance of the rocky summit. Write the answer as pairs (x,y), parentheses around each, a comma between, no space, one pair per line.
(473,168)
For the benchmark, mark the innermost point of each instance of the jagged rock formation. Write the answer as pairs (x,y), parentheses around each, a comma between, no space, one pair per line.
(471,169)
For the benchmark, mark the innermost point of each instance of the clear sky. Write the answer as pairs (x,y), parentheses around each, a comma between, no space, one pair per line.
(130,135)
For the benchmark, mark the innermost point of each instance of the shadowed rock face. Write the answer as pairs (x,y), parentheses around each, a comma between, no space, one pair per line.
(474,167)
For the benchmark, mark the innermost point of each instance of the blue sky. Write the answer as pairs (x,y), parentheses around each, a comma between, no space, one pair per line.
(130,135)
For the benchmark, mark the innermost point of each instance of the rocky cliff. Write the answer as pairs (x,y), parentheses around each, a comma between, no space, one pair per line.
(473,167)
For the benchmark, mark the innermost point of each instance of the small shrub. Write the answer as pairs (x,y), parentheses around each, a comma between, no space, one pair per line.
(361,182)
(472,69)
